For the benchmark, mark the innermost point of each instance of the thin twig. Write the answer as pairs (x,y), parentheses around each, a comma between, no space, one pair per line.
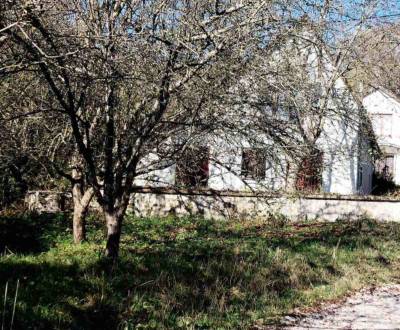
(4,307)
(15,303)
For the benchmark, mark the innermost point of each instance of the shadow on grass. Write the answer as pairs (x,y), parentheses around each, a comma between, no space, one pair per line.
(172,273)
(32,233)
(46,295)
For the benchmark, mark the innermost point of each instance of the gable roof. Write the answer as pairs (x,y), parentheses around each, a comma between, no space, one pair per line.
(390,94)
(386,93)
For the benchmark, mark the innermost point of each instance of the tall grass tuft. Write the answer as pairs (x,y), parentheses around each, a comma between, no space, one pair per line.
(3,319)
(14,305)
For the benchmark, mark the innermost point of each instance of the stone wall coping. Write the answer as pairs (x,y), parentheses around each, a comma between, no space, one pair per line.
(53,192)
(250,194)
(261,194)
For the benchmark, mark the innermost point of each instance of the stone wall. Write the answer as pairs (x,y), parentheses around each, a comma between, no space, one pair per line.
(250,206)
(230,205)
(45,201)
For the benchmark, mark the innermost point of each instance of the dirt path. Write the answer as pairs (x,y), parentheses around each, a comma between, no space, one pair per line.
(368,309)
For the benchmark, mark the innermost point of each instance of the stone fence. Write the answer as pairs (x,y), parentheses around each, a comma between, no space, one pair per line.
(48,201)
(244,205)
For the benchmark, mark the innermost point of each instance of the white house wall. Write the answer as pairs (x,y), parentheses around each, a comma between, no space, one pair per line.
(381,102)
(339,175)
(339,143)
(340,147)
(396,178)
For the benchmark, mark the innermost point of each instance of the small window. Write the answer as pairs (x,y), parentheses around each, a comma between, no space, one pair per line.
(385,167)
(253,164)
(192,168)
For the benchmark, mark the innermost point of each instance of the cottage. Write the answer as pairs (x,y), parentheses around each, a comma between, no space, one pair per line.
(328,129)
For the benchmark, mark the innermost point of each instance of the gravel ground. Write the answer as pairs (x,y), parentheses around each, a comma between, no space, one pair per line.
(377,308)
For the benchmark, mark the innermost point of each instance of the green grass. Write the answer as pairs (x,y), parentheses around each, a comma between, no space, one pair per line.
(186,273)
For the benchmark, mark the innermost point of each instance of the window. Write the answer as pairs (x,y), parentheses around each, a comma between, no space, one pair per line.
(382,124)
(253,164)
(192,168)
(292,114)
(309,175)
(385,167)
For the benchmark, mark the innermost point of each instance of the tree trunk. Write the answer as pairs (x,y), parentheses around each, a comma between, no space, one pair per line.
(114,224)
(79,223)
(81,200)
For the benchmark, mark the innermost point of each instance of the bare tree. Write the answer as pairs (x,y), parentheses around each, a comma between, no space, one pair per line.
(123,73)
(375,58)
(37,147)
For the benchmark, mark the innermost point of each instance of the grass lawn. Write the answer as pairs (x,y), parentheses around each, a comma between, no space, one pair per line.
(185,273)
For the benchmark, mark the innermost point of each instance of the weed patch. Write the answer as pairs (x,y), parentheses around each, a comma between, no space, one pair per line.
(186,273)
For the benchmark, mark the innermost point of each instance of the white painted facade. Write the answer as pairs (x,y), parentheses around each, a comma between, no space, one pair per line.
(342,160)
(384,112)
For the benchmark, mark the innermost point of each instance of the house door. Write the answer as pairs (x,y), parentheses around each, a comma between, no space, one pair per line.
(309,175)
